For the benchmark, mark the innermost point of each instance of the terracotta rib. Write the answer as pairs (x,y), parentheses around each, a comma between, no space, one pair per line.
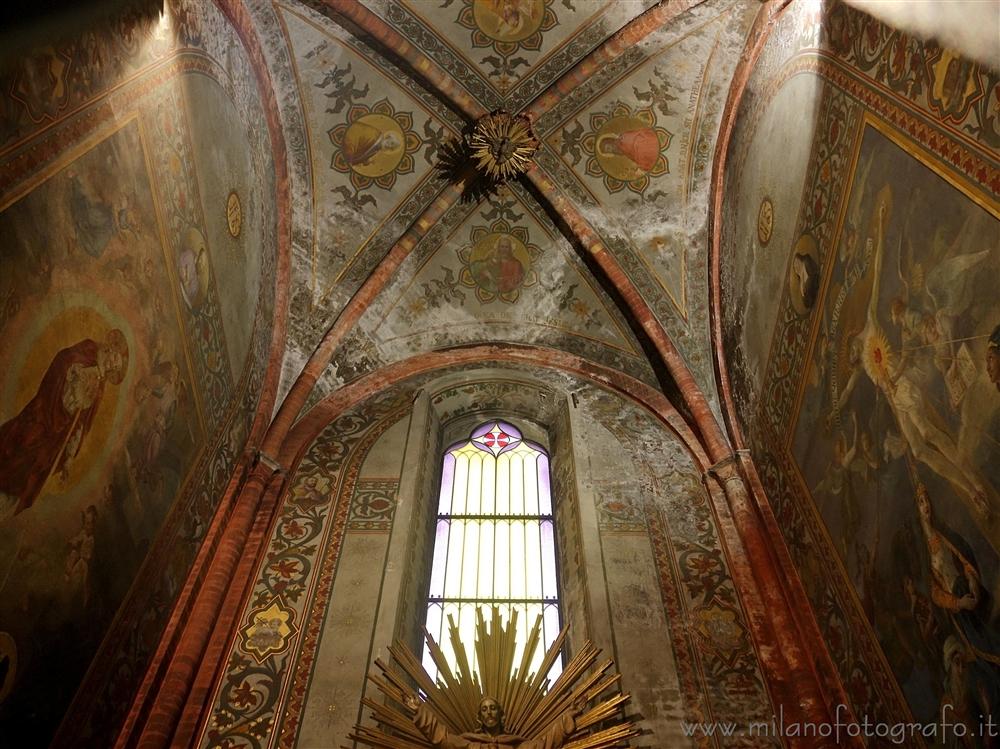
(715,441)
(382,33)
(321,414)
(823,668)
(352,311)
(627,36)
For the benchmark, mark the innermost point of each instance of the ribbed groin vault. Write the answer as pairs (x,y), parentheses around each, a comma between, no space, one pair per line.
(736,288)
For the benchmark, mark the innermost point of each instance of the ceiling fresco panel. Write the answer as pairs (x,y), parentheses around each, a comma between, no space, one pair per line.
(506,267)
(497,271)
(631,150)
(505,52)
(373,143)
(632,147)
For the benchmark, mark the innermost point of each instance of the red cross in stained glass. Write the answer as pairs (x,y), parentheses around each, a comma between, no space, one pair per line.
(496,439)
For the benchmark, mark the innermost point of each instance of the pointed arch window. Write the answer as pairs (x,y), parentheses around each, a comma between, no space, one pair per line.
(495,540)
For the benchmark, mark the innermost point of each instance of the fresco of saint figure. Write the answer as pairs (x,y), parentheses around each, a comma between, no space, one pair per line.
(640,146)
(373,145)
(957,590)
(499,262)
(804,276)
(508,20)
(93,217)
(312,491)
(920,423)
(500,271)
(193,269)
(49,431)
(80,553)
(954,84)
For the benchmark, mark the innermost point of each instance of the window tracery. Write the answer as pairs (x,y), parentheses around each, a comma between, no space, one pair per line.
(494,541)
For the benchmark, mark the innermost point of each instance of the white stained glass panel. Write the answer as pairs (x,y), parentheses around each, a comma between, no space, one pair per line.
(471,559)
(434,624)
(489,502)
(503,485)
(516,480)
(517,559)
(502,570)
(533,560)
(453,573)
(494,543)
(472,503)
(438,566)
(487,559)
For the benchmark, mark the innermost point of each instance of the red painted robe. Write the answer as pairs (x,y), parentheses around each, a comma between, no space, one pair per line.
(34,444)
(641,147)
(511,274)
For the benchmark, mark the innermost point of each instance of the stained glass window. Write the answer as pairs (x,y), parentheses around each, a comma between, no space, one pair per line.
(495,541)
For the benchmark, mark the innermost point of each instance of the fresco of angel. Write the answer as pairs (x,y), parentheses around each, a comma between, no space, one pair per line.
(900,373)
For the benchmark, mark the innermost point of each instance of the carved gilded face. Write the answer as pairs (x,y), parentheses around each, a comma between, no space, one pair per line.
(490,714)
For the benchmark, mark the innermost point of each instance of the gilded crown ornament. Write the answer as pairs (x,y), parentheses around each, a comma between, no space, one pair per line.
(502,145)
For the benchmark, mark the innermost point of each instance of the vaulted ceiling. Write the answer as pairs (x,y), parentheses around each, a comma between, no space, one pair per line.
(599,251)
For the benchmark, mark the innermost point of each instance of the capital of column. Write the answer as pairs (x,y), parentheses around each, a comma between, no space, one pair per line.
(729,468)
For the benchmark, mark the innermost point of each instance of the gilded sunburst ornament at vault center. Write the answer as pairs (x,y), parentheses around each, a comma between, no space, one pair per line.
(626,148)
(374,145)
(498,262)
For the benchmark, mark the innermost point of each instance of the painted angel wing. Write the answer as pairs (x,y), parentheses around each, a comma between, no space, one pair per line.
(855,206)
(950,281)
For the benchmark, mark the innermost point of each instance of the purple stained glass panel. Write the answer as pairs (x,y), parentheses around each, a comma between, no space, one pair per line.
(548,561)
(447,483)
(544,493)
(496,437)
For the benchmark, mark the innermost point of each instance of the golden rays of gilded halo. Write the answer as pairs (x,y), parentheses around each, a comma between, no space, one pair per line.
(530,704)
(503,145)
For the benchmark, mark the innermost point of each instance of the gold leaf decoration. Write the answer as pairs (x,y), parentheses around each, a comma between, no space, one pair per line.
(581,709)
(503,145)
